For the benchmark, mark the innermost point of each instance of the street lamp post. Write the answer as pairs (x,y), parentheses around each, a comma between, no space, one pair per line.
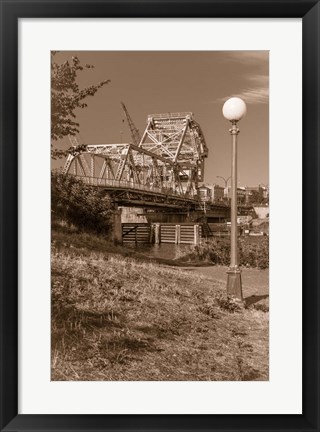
(233,110)
(225,180)
(225,184)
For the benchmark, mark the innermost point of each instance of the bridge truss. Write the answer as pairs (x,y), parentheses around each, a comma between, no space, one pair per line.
(169,159)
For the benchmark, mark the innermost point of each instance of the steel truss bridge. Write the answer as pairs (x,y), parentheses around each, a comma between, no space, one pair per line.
(163,169)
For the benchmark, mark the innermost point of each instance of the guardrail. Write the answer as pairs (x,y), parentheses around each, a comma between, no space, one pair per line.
(123,184)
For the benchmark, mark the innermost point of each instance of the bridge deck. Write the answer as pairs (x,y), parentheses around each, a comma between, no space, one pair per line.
(129,186)
(132,194)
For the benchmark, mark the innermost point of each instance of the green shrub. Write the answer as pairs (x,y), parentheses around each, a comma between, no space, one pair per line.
(215,251)
(228,303)
(252,252)
(261,307)
(83,206)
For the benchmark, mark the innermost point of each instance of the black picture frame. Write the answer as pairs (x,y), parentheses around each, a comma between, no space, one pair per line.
(11,11)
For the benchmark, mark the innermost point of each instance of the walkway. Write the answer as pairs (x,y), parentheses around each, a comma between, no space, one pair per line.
(255,282)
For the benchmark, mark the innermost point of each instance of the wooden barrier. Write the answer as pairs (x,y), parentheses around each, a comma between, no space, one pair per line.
(137,233)
(141,233)
(187,233)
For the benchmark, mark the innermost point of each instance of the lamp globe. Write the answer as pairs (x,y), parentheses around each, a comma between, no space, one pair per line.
(234,109)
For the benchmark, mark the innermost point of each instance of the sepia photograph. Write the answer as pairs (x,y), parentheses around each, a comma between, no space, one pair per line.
(160,215)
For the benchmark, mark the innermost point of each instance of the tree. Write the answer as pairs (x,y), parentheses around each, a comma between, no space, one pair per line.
(87,208)
(66,97)
(255,197)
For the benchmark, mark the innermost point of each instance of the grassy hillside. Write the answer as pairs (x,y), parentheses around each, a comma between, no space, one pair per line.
(115,317)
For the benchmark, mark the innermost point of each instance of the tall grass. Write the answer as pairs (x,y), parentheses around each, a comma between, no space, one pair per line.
(115,318)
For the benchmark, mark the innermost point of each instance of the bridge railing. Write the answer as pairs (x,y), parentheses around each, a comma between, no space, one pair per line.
(124,184)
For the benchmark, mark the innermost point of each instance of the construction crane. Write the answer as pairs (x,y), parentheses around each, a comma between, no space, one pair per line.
(135,134)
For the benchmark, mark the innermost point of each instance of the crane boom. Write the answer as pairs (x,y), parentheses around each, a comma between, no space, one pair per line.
(135,134)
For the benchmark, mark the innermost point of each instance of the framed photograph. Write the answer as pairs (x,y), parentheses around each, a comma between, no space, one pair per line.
(159,215)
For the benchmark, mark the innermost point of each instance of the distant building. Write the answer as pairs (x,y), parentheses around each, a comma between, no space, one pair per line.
(211,193)
(204,194)
(246,195)
(257,194)
(262,211)
(217,192)
(241,194)
(265,192)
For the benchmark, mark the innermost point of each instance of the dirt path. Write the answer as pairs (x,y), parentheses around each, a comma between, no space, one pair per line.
(255,282)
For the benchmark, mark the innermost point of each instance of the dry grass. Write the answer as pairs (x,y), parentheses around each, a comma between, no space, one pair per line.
(115,318)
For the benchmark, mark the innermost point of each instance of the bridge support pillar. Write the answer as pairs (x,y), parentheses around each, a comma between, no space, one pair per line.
(117,227)
(178,230)
(196,234)
(157,233)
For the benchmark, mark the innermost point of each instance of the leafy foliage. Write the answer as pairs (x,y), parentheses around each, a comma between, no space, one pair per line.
(228,303)
(74,151)
(79,204)
(66,96)
(217,251)
(254,253)
(256,197)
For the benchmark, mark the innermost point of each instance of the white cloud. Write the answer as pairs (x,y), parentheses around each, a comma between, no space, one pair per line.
(248,57)
(256,93)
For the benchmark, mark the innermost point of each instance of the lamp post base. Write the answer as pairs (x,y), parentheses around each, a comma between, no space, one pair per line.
(234,284)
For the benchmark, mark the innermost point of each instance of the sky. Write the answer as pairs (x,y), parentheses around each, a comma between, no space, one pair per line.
(150,82)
